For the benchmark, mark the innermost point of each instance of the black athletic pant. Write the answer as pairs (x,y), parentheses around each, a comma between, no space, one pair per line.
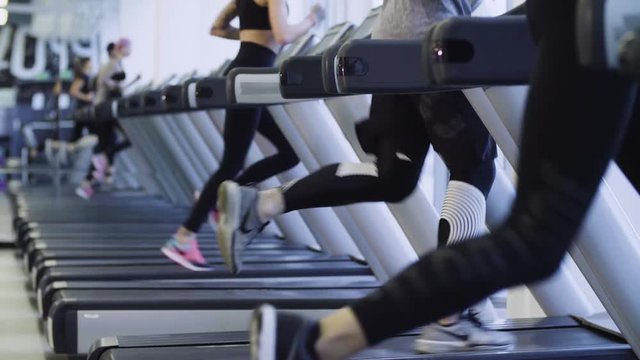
(239,131)
(629,157)
(399,132)
(108,143)
(78,130)
(573,125)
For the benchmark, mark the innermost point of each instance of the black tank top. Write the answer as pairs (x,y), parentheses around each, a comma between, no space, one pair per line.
(253,16)
(86,89)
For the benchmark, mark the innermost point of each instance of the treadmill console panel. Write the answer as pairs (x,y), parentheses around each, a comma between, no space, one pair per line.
(152,102)
(210,92)
(172,98)
(468,51)
(380,66)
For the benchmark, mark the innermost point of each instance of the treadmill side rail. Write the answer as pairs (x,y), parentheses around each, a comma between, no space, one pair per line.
(301,78)
(210,93)
(381,66)
(152,102)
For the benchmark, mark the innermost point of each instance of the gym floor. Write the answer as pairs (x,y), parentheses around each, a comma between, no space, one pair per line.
(20,335)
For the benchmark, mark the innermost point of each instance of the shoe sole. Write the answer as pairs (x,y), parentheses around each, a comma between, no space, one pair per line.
(263,333)
(181,260)
(82,194)
(441,347)
(229,215)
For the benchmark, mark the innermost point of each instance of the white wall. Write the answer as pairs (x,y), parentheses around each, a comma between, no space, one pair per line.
(172,37)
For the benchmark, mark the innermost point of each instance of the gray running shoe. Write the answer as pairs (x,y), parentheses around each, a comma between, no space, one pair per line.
(238,222)
(468,334)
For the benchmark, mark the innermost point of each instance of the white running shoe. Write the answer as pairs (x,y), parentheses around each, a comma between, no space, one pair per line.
(468,334)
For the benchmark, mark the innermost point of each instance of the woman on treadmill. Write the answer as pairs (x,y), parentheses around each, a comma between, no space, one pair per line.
(399,132)
(571,109)
(263,30)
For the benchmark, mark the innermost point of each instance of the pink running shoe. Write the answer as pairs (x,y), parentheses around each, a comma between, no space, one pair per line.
(188,256)
(85,191)
(100,162)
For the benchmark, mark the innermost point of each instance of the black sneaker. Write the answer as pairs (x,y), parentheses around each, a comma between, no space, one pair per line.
(281,336)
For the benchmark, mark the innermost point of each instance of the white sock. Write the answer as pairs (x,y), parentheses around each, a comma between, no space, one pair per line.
(270,204)
(464,210)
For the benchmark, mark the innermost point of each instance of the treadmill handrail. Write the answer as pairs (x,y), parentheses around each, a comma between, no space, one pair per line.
(473,51)
(382,66)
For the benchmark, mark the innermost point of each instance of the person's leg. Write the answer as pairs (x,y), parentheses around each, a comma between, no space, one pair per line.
(117,148)
(101,130)
(570,110)
(78,129)
(283,160)
(240,128)
(467,149)
(100,159)
(400,153)
(628,157)
(396,134)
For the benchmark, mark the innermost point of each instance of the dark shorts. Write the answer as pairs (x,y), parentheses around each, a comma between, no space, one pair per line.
(411,123)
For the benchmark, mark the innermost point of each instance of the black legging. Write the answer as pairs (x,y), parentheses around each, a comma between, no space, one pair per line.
(78,130)
(573,125)
(400,130)
(239,131)
(108,143)
(628,157)
(79,126)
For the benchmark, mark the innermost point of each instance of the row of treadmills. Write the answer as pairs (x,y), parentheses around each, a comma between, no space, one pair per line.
(103,288)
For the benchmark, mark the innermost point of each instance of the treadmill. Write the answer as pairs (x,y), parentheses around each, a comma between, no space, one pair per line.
(547,338)
(76,315)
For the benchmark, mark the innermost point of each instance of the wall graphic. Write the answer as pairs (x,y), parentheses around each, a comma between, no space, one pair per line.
(26,58)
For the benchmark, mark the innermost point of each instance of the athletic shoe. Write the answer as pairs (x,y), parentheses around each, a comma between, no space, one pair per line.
(239,223)
(100,162)
(468,334)
(187,256)
(85,191)
(278,335)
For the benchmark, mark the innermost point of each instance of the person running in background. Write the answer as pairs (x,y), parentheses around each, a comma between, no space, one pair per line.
(570,110)
(81,91)
(264,28)
(399,132)
(110,86)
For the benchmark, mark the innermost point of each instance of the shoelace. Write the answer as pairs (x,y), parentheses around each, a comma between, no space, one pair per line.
(474,318)
(257,230)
